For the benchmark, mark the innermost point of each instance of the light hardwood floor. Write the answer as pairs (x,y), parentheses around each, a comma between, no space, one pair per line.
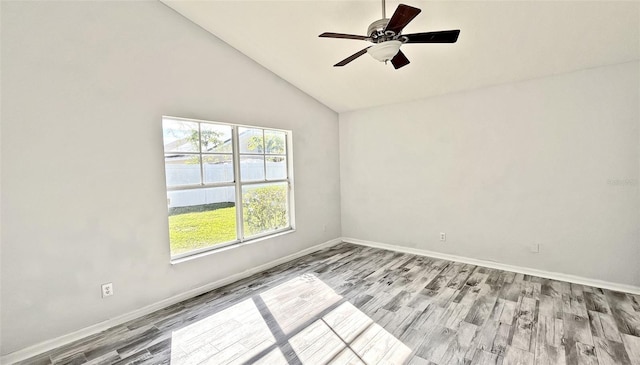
(352,305)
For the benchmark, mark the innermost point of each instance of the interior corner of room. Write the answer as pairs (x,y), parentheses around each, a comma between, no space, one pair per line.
(532,166)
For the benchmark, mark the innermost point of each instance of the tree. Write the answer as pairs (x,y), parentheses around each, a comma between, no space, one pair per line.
(187,131)
(265,209)
(210,139)
(274,144)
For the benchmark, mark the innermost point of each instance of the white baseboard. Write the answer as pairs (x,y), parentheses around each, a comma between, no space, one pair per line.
(99,327)
(48,345)
(496,265)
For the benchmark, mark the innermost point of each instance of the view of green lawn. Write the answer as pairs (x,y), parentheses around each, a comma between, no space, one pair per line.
(193,230)
(200,226)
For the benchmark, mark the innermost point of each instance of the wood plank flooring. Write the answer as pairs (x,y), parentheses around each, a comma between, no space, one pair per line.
(358,305)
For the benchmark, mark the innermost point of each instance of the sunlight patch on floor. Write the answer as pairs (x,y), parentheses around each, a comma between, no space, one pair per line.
(298,300)
(236,333)
(301,318)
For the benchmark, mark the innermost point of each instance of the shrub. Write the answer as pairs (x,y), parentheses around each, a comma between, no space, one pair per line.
(265,209)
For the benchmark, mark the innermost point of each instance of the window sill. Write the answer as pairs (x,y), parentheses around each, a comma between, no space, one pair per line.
(215,250)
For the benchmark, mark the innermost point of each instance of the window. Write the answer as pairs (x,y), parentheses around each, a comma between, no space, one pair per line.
(226,183)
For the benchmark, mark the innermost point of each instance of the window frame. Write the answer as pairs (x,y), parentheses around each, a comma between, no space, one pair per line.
(237,182)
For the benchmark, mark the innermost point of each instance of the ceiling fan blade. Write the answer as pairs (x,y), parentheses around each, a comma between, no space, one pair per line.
(444,36)
(402,16)
(343,36)
(351,58)
(399,60)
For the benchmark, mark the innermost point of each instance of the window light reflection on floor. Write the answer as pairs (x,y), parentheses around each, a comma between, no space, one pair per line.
(234,333)
(301,319)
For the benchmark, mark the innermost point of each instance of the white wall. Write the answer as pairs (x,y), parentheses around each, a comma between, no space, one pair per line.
(85,85)
(552,161)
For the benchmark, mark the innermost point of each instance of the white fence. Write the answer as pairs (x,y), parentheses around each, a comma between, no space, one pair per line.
(189,174)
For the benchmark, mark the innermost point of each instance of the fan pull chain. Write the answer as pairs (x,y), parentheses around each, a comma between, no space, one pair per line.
(384,13)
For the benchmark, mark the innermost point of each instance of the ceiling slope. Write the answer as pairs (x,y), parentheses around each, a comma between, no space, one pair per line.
(500,42)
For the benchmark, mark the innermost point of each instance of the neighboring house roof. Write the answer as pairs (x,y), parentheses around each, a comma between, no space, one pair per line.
(178,148)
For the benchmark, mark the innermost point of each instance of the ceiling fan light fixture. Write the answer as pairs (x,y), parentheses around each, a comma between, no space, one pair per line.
(384,51)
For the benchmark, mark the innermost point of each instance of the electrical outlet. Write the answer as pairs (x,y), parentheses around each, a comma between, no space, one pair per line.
(107,290)
(443,236)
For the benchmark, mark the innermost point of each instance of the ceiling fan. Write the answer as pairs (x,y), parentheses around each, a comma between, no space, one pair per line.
(386,35)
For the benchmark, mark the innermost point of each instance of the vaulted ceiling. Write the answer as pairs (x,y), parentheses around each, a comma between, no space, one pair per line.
(500,42)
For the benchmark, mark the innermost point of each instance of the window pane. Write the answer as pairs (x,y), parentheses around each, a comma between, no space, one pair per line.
(274,142)
(180,136)
(265,208)
(182,169)
(217,168)
(276,167)
(251,140)
(252,168)
(200,218)
(215,138)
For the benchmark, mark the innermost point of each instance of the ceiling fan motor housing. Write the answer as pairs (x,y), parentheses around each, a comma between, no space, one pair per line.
(377,33)
(376,29)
